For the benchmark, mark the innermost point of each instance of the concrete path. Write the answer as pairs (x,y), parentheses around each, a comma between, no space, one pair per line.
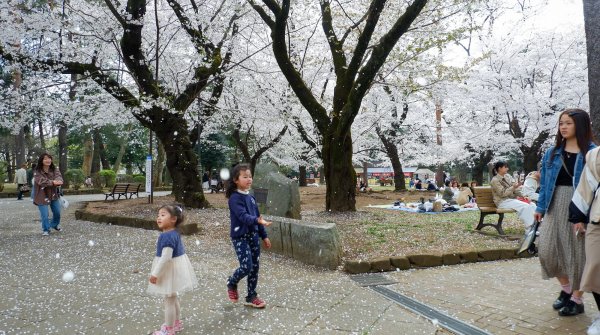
(111,266)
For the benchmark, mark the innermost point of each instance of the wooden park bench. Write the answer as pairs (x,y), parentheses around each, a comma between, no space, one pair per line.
(486,205)
(134,189)
(118,190)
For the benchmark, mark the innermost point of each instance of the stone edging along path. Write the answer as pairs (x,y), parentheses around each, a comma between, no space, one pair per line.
(380,264)
(395,263)
(83,214)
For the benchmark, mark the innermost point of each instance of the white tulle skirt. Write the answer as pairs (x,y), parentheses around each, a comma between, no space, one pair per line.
(177,276)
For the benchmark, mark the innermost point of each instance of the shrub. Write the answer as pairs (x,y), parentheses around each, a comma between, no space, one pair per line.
(139,179)
(75,177)
(3,166)
(108,177)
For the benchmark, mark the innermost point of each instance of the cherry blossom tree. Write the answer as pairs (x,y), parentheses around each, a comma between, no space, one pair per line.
(171,52)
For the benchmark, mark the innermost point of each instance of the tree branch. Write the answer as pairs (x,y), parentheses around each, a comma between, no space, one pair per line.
(363,40)
(131,44)
(316,110)
(378,57)
(337,52)
(243,147)
(274,141)
(114,12)
(97,74)
(198,40)
(268,20)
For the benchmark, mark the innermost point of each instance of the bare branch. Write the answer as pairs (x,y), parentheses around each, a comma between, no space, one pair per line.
(114,12)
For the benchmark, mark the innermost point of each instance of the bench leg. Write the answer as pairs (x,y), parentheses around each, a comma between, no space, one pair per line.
(499,225)
(480,225)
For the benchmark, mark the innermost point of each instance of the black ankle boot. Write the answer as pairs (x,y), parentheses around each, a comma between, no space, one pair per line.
(571,308)
(561,301)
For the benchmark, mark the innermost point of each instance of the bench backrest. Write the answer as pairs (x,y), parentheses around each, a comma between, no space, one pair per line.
(120,188)
(135,187)
(484,196)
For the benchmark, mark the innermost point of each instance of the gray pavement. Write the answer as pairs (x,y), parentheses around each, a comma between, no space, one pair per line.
(111,265)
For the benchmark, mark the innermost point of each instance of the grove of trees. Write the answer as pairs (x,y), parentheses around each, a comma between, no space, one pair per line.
(323,84)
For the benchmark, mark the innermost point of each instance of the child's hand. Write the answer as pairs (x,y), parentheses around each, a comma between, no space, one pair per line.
(153,279)
(267,242)
(263,221)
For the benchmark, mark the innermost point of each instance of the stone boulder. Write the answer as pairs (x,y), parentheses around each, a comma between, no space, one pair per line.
(309,242)
(283,194)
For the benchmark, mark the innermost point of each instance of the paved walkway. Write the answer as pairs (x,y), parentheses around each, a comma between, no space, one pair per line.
(111,265)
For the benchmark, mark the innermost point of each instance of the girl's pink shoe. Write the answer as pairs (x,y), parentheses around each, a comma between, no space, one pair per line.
(165,330)
(178,326)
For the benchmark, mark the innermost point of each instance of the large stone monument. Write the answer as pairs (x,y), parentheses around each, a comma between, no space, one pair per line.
(282,194)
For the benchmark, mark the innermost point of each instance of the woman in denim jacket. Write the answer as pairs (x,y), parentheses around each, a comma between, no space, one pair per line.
(561,251)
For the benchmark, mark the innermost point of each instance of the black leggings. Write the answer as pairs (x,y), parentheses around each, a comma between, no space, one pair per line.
(597,298)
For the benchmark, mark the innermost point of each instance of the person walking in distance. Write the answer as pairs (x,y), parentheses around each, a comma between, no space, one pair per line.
(21,180)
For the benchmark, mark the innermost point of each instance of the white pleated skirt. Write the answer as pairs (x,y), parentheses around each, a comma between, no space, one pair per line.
(177,276)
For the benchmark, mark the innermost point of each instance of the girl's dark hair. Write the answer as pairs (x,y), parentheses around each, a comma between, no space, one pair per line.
(583,130)
(498,165)
(235,174)
(464,185)
(40,163)
(175,210)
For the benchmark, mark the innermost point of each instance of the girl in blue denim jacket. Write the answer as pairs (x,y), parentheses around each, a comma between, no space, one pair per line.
(561,249)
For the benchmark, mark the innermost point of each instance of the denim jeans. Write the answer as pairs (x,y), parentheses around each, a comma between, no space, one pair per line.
(20,194)
(247,249)
(55,207)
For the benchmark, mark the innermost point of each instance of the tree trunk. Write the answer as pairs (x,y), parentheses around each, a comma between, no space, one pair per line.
(339,173)
(63,150)
(99,146)
(20,148)
(366,173)
(159,166)
(533,154)
(302,176)
(481,165)
(95,168)
(591,15)
(122,147)
(392,153)
(88,153)
(42,138)
(182,161)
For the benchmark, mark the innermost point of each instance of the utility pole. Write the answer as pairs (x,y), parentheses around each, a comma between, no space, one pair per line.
(439,173)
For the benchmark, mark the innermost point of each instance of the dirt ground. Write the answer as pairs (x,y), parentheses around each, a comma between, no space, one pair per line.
(366,234)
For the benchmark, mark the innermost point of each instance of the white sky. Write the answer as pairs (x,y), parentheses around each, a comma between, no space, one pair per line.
(551,15)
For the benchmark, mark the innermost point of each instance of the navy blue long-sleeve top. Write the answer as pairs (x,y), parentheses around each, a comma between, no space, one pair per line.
(243,213)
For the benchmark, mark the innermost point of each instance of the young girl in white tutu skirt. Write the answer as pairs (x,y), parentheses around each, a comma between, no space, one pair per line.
(172,272)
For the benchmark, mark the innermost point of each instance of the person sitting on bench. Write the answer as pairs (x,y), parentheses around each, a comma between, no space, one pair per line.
(505,191)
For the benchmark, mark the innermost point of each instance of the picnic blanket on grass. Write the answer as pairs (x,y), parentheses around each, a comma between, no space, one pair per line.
(416,210)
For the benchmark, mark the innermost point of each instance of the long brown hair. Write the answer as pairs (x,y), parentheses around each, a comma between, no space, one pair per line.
(40,163)
(583,130)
